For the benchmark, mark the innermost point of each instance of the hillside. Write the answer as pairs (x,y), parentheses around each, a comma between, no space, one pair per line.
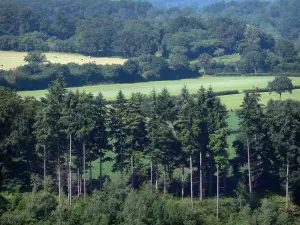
(279,18)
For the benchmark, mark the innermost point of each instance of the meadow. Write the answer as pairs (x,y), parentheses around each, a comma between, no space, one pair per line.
(217,83)
(10,60)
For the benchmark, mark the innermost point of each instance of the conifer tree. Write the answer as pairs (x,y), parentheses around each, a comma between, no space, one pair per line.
(252,126)
(218,144)
(86,124)
(184,130)
(284,123)
(100,136)
(116,124)
(136,134)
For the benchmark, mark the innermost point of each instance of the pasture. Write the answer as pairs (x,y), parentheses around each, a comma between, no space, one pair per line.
(11,60)
(218,84)
(227,59)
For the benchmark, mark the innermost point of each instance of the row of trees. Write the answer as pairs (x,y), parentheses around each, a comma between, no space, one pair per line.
(153,138)
(38,73)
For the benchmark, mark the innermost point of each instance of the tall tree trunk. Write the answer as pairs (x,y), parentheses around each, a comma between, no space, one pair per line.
(122,172)
(151,171)
(165,179)
(191,178)
(218,206)
(132,172)
(78,182)
(45,167)
(84,178)
(287,187)
(249,166)
(100,177)
(200,176)
(91,174)
(182,182)
(210,174)
(156,178)
(70,172)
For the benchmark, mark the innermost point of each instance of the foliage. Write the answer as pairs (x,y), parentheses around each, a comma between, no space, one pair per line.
(280,85)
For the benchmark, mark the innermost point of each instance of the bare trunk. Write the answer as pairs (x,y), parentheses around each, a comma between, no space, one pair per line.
(210,175)
(132,172)
(182,181)
(59,184)
(191,178)
(164,179)
(91,175)
(84,179)
(156,179)
(45,167)
(249,167)
(287,187)
(218,206)
(151,171)
(200,176)
(100,177)
(122,172)
(78,182)
(70,172)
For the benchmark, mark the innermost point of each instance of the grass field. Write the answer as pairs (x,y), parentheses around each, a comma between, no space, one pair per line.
(11,60)
(228,58)
(218,84)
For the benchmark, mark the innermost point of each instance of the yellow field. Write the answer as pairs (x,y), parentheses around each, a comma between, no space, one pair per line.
(10,60)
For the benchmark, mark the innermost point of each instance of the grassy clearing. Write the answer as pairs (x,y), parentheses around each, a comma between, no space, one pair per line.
(11,60)
(218,84)
(226,59)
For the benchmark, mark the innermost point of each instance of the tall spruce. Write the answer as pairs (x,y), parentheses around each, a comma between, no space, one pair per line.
(252,123)
(184,130)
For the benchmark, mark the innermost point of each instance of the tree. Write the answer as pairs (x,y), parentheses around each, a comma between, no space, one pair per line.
(218,144)
(281,84)
(136,133)
(116,131)
(284,124)
(100,133)
(205,61)
(35,58)
(252,121)
(86,124)
(185,134)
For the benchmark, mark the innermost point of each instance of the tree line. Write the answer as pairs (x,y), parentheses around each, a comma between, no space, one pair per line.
(179,145)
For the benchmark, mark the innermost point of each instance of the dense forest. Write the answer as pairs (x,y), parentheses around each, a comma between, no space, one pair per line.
(279,18)
(74,158)
(161,44)
(161,148)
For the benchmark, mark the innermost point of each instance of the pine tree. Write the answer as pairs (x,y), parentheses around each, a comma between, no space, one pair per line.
(284,123)
(136,134)
(253,129)
(218,144)
(116,124)
(184,130)
(86,123)
(100,136)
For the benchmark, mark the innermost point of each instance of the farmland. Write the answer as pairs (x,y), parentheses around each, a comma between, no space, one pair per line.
(11,60)
(218,84)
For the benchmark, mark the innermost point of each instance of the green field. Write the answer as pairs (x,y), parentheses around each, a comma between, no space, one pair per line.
(218,84)
(228,58)
(10,60)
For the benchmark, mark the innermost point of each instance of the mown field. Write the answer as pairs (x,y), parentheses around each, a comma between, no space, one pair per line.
(218,84)
(10,60)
